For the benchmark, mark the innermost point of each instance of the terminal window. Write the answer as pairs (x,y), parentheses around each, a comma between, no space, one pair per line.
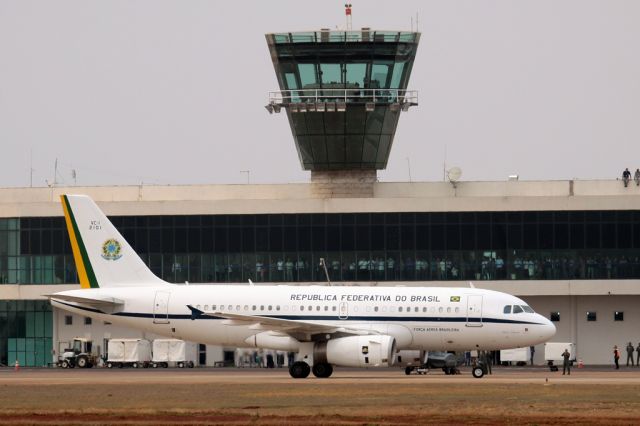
(591,316)
(87,320)
(555,316)
(618,316)
(68,320)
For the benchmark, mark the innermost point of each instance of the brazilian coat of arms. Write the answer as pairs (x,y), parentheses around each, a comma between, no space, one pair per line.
(111,249)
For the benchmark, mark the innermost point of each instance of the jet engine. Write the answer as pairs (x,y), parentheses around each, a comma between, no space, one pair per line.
(356,351)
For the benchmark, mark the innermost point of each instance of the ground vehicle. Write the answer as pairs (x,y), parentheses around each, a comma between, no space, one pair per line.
(79,354)
(447,361)
(134,353)
(178,352)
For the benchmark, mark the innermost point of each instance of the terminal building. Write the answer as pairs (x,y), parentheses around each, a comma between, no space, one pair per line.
(570,249)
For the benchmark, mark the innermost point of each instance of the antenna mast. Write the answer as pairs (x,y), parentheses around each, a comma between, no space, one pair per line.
(347,12)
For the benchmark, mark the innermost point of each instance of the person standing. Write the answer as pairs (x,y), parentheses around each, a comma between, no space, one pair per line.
(638,356)
(616,357)
(532,350)
(626,175)
(630,350)
(566,364)
(636,177)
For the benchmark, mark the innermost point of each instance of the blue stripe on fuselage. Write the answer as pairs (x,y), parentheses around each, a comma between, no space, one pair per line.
(313,317)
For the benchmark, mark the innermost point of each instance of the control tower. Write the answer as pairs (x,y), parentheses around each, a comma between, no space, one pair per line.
(343,92)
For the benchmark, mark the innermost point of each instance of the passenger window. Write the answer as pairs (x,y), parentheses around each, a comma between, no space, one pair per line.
(278,308)
(262,307)
(333,308)
(246,307)
(440,309)
(318,308)
(206,307)
(253,307)
(424,309)
(375,308)
(237,307)
(449,310)
(310,308)
(326,308)
(507,309)
(198,306)
(213,307)
(517,309)
(457,309)
(400,309)
(230,307)
(270,307)
(302,308)
(416,309)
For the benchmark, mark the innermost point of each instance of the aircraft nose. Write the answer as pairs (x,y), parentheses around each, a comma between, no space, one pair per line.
(548,328)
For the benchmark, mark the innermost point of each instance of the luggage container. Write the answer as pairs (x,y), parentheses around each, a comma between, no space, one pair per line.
(173,352)
(134,353)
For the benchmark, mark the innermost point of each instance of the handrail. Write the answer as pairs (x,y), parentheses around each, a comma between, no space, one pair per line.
(364,35)
(348,95)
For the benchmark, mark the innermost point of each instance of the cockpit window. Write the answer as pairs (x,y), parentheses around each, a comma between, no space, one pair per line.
(517,309)
(528,309)
(507,309)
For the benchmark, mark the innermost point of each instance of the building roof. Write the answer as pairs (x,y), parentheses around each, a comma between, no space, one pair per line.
(331,197)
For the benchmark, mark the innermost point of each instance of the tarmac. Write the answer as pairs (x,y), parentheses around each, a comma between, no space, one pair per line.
(522,395)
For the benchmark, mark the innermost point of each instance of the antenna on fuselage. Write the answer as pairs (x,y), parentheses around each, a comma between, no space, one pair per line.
(326,273)
(250,282)
(471,285)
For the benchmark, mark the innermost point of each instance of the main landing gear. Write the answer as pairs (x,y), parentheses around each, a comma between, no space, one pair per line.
(322,370)
(300,370)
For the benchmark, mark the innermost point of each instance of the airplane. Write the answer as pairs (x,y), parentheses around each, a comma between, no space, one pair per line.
(324,326)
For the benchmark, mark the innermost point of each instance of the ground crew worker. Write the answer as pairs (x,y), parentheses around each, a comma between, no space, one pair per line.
(630,350)
(616,357)
(638,356)
(566,364)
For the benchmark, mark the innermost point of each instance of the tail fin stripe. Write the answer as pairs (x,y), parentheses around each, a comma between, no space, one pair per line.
(85,271)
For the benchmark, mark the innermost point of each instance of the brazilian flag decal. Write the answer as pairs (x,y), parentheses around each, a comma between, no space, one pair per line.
(455,298)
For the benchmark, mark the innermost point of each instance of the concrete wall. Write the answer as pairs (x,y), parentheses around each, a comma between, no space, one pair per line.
(307,198)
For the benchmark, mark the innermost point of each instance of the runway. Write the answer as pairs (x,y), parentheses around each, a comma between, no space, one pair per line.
(351,396)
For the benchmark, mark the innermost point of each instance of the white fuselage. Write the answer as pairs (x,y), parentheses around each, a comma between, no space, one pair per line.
(426,318)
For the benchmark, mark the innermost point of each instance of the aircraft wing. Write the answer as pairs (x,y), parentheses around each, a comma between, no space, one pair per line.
(94,302)
(262,323)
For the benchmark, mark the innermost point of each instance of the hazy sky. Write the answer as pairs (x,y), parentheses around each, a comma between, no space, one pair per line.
(174,91)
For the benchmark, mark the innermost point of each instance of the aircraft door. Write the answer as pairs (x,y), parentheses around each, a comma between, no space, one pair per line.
(161,308)
(343,310)
(474,311)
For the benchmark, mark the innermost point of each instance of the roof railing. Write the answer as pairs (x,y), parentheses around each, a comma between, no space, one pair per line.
(330,100)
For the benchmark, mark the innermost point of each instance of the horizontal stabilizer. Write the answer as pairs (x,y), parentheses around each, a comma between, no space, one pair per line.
(96,302)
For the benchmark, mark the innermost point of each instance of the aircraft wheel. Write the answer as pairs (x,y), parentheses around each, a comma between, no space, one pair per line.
(477,372)
(322,370)
(299,370)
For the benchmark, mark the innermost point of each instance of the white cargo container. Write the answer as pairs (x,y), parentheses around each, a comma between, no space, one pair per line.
(129,353)
(515,355)
(553,351)
(173,351)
